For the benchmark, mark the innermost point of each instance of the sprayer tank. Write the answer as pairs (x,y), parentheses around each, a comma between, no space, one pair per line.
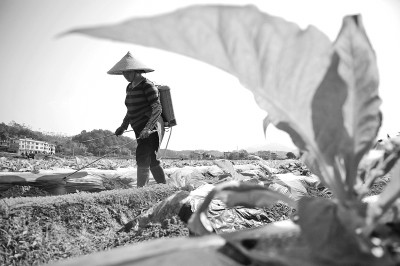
(167,107)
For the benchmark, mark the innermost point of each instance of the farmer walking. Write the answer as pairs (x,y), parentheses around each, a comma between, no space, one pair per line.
(144,115)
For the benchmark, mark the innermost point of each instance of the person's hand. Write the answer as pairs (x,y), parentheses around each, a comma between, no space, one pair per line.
(145,133)
(119,131)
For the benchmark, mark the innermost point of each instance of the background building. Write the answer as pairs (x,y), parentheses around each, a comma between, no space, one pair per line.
(24,146)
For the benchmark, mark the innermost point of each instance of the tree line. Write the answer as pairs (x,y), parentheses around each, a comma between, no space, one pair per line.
(100,142)
(96,142)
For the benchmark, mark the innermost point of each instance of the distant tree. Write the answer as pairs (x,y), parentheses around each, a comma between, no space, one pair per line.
(234,155)
(243,154)
(290,155)
(15,130)
(59,147)
(100,142)
(4,135)
(125,151)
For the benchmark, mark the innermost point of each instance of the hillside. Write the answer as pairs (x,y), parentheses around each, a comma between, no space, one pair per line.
(99,142)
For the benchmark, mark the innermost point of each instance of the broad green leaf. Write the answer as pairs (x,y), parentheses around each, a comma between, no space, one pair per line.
(346,116)
(257,48)
(362,118)
(327,123)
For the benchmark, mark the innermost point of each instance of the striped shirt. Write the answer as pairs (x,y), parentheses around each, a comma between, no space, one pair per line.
(140,101)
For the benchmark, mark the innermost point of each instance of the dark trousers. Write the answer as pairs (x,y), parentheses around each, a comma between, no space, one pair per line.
(146,151)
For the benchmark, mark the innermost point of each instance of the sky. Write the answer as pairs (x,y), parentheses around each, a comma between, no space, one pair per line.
(59,84)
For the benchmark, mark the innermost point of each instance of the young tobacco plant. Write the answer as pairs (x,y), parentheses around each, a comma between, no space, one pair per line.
(323,94)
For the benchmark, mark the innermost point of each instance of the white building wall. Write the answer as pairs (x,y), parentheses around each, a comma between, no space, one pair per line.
(31,146)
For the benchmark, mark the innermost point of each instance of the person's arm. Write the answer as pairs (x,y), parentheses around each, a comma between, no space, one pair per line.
(123,127)
(155,114)
(156,109)
(125,123)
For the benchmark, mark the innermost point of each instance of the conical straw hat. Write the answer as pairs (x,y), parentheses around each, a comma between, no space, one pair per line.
(128,62)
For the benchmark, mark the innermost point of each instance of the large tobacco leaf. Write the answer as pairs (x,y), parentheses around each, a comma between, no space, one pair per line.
(362,117)
(349,91)
(257,48)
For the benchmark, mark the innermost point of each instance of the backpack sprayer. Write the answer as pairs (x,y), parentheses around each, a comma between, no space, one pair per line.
(167,115)
(167,107)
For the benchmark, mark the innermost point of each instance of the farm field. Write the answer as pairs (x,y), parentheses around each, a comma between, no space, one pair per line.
(37,227)
(95,213)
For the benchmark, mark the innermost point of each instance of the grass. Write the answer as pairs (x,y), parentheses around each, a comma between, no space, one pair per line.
(38,230)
